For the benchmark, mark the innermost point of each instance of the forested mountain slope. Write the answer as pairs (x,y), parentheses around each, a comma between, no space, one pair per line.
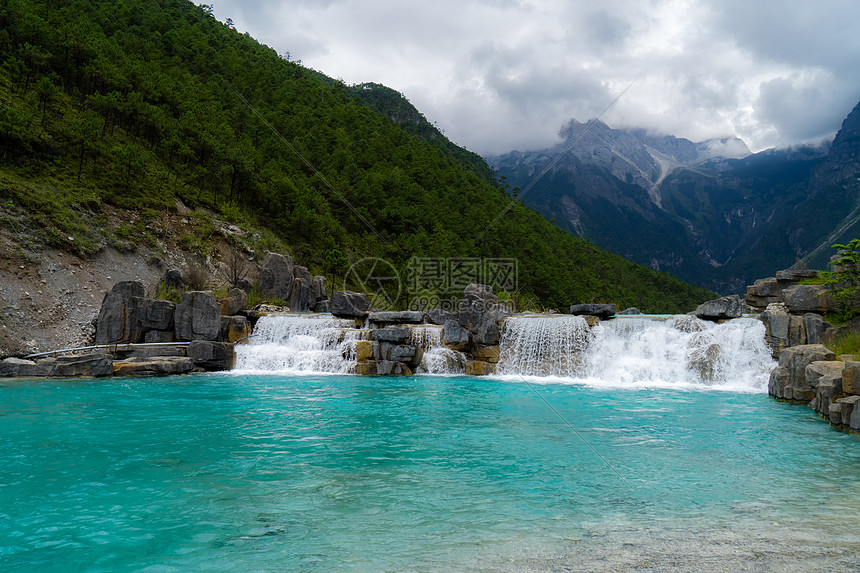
(112,111)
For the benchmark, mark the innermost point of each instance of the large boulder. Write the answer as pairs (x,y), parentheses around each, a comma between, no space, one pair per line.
(348,304)
(788,379)
(479,314)
(276,276)
(95,364)
(825,379)
(721,308)
(117,322)
(235,301)
(763,292)
(808,298)
(455,336)
(776,323)
(234,329)
(155,314)
(319,289)
(300,296)
(601,311)
(212,356)
(198,316)
(153,366)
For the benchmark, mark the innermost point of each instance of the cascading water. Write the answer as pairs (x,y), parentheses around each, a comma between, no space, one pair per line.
(542,346)
(300,344)
(679,351)
(675,352)
(437,358)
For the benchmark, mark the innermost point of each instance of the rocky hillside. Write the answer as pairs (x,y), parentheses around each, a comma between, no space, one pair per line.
(710,213)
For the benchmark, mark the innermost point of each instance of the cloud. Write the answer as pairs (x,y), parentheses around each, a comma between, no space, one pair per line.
(503,74)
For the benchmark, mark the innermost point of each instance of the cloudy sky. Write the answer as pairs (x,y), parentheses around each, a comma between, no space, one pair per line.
(497,75)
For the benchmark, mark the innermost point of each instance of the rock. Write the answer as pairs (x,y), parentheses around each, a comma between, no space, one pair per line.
(438,316)
(788,380)
(363,350)
(854,418)
(10,367)
(154,366)
(815,327)
(763,292)
(825,379)
(323,306)
(396,317)
(835,415)
(401,353)
(172,279)
(198,316)
(479,368)
(704,361)
(479,314)
(319,289)
(117,322)
(486,353)
(808,298)
(235,329)
(151,351)
(851,377)
(276,276)
(687,323)
(393,334)
(300,295)
(235,302)
(348,304)
(795,275)
(776,323)
(601,311)
(796,330)
(846,408)
(301,272)
(159,336)
(455,336)
(212,356)
(390,368)
(95,365)
(720,309)
(631,310)
(154,314)
(310,300)
(366,368)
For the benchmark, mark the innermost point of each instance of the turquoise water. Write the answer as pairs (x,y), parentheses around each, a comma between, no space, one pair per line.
(335,473)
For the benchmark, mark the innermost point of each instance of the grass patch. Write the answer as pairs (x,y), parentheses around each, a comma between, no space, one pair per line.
(848,343)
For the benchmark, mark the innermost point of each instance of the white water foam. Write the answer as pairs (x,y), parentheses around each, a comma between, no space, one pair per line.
(680,352)
(437,358)
(299,344)
(542,345)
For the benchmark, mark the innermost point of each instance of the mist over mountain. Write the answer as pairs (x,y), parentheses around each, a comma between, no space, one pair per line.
(710,212)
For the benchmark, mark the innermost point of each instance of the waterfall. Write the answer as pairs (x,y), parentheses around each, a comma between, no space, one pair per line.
(680,351)
(675,352)
(300,344)
(437,359)
(542,345)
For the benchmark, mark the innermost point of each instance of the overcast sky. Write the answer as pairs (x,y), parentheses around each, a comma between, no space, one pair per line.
(498,75)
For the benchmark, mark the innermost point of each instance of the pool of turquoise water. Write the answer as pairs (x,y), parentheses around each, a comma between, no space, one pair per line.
(233,473)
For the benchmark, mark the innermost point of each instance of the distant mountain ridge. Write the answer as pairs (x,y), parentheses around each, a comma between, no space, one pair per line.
(712,213)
